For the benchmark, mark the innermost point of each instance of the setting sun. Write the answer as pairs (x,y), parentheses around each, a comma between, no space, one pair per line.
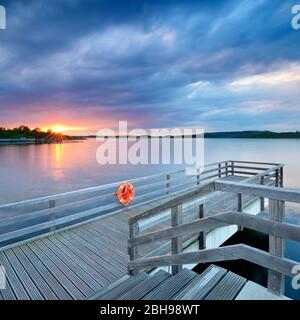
(58,129)
(63,129)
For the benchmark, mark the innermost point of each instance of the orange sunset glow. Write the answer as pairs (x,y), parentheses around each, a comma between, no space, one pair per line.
(61,128)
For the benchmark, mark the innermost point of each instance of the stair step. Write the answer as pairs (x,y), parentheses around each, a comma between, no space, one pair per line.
(228,288)
(124,287)
(146,286)
(170,287)
(202,284)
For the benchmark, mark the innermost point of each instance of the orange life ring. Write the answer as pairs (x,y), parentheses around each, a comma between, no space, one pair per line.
(126,193)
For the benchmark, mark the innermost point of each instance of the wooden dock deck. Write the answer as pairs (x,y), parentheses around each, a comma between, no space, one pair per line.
(78,260)
(76,263)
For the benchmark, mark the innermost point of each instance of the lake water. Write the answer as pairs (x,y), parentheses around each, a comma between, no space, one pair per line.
(32,171)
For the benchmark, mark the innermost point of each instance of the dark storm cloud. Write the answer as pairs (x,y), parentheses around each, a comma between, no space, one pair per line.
(170,61)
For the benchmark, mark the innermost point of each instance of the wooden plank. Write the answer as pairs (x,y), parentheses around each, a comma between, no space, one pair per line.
(82,269)
(114,266)
(118,262)
(202,284)
(276,247)
(108,269)
(255,162)
(276,229)
(104,276)
(7,293)
(202,256)
(20,271)
(250,167)
(284,194)
(168,177)
(202,238)
(281,177)
(104,242)
(124,287)
(109,240)
(232,168)
(262,199)
(264,259)
(205,224)
(108,288)
(56,286)
(145,287)
(12,277)
(176,243)
(65,266)
(47,292)
(283,230)
(240,207)
(170,287)
(232,252)
(63,279)
(133,250)
(228,288)
(249,173)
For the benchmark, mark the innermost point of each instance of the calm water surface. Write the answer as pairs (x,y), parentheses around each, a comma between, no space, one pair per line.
(38,170)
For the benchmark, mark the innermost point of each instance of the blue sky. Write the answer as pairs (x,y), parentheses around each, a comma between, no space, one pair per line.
(85,64)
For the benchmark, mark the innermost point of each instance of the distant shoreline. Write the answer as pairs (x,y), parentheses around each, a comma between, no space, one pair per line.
(209,135)
(222,135)
(24,141)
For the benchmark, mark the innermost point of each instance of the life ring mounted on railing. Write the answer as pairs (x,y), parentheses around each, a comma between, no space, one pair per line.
(126,193)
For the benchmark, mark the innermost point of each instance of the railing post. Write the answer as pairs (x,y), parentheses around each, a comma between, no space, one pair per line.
(51,205)
(219,170)
(202,244)
(277,178)
(176,243)
(198,176)
(226,168)
(240,207)
(232,168)
(276,247)
(133,251)
(262,200)
(281,177)
(168,177)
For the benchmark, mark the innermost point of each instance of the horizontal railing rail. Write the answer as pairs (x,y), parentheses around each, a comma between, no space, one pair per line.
(286,194)
(232,252)
(283,230)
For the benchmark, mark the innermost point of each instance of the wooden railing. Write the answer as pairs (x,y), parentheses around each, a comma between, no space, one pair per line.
(273,260)
(42,216)
(30,218)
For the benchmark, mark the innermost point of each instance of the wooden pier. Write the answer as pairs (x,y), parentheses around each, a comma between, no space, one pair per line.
(84,245)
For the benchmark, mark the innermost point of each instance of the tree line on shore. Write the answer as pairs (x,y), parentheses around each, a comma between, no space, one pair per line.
(24,132)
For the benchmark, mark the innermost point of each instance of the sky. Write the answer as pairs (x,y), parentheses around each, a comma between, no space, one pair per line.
(86,64)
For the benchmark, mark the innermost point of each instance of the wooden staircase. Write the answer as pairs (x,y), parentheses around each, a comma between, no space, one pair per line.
(214,283)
